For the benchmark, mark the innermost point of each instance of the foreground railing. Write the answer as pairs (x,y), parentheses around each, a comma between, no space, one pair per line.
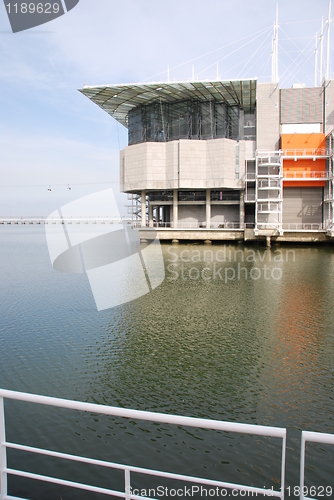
(134,414)
(313,437)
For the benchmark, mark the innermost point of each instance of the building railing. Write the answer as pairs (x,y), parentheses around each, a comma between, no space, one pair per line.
(273,179)
(306,175)
(229,182)
(292,226)
(313,437)
(307,153)
(249,197)
(250,176)
(230,225)
(5,471)
(269,183)
(268,207)
(190,225)
(271,157)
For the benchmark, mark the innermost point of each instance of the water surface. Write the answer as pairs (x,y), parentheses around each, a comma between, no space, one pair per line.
(250,344)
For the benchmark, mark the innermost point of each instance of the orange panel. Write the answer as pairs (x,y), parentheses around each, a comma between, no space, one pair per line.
(302,184)
(303,167)
(303,141)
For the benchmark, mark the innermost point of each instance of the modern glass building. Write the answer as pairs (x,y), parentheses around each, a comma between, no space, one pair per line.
(217,160)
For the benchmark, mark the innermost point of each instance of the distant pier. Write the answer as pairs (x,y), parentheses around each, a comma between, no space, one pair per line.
(64,220)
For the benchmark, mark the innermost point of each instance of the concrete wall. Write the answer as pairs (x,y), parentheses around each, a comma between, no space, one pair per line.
(192,213)
(329,107)
(183,164)
(267,116)
(193,162)
(224,213)
(250,147)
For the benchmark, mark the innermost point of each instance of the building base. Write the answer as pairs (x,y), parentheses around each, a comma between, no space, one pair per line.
(212,235)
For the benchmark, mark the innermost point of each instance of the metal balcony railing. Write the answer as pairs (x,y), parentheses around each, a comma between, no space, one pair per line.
(306,175)
(249,197)
(191,225)
(299,226)
(5,471)
(307,153)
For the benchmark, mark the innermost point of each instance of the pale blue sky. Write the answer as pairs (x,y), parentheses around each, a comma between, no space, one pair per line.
(51,134)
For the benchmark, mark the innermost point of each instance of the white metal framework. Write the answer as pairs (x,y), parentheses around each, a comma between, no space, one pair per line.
(313,437)
(268,191)
(329,188)
(257,430)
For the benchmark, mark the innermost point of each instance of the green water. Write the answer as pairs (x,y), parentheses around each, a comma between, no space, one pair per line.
(242,334)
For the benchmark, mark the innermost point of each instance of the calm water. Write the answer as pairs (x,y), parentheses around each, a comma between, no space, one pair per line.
(206,343)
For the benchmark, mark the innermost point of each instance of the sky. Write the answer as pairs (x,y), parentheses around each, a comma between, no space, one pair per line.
(52,135)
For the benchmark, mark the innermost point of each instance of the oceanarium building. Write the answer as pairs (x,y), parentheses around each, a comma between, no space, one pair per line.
(223,160)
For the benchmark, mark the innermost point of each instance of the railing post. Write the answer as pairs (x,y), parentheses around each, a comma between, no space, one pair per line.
(302,467)
(127,484)
(3,453)
(283,466)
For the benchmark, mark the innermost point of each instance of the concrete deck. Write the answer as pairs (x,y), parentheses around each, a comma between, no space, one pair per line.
(209,235)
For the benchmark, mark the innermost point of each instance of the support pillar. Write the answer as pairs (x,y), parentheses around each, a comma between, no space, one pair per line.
(242,209)
(208,208)
(150,215)
(143,208)
(175,207)
(157,215)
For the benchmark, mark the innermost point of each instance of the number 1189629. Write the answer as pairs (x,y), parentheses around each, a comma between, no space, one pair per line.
(32,8)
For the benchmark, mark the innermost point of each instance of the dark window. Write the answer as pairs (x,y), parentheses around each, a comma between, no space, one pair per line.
(224,195)
(160,196)
(192,195)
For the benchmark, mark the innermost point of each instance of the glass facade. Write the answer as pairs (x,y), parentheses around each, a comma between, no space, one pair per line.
(160,196)
(225,195)
(191,196)
(189,119)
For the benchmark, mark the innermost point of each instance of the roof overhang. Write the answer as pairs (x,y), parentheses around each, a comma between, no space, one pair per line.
(118,100)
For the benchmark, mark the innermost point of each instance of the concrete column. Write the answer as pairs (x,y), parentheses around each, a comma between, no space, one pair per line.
(143,208)
(208,208)
(157,214)
(242,209)
(150,215)
(175,207)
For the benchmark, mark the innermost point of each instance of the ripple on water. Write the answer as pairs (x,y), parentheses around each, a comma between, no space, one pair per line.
(246,351)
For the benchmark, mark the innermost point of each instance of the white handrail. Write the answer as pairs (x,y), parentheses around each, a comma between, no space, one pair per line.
(313,437)
(134,414)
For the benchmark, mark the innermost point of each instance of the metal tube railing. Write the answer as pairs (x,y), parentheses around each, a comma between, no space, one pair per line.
(307,152)
(191,225)
(314,437)
(305,174)
(134,414)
